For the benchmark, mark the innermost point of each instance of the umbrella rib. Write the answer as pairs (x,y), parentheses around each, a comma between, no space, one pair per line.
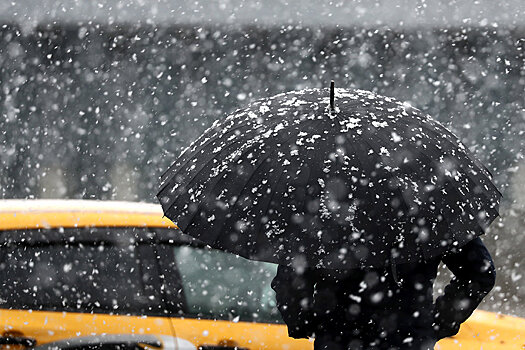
(218,127)
(197,171)
(259,224)
(244,186)
(216,156)
(200,148)
(414,171)
(422,154)
(351,143)
(262,162)
(455,188)
(217,180)
(453,145)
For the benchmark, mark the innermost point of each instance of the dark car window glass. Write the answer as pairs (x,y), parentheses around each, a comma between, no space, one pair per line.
(81,277)
(219,285)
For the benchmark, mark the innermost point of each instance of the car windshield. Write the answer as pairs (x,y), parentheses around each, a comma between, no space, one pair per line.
(219,285)
(96,276)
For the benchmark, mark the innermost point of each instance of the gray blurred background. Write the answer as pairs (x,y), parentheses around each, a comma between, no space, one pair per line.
(98,97)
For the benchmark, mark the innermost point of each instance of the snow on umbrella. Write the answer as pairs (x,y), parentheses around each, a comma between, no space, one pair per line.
(295,179)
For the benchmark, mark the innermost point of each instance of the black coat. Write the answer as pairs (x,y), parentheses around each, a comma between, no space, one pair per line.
(369,304)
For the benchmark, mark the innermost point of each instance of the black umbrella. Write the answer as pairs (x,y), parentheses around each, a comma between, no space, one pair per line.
(293,179)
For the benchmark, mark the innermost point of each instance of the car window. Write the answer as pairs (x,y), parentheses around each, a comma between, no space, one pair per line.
(219,285)
(81,277)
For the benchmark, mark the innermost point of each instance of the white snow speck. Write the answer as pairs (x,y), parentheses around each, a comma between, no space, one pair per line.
(395,137)
(382,124)
(264,109)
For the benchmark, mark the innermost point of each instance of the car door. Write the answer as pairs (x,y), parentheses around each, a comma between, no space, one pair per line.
(62,283)
(221,300)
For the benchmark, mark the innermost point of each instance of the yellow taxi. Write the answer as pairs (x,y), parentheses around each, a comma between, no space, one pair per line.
(78,269)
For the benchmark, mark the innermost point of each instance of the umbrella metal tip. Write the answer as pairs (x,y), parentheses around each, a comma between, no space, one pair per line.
(332,97)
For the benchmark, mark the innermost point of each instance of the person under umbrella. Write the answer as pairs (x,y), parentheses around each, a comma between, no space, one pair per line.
(336,196)
(369,309)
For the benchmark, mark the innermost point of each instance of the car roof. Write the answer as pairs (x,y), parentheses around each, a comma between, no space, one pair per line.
(8,205)
(46,213)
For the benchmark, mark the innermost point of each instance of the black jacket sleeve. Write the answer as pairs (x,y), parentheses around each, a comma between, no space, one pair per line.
(474,277)
(294,294)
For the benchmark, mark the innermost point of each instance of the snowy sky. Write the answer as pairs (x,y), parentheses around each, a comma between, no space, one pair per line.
(410,13)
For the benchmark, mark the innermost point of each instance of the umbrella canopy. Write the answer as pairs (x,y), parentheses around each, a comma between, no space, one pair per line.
(290,180)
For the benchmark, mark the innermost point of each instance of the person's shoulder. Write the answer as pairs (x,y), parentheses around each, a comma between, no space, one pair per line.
(473,246)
